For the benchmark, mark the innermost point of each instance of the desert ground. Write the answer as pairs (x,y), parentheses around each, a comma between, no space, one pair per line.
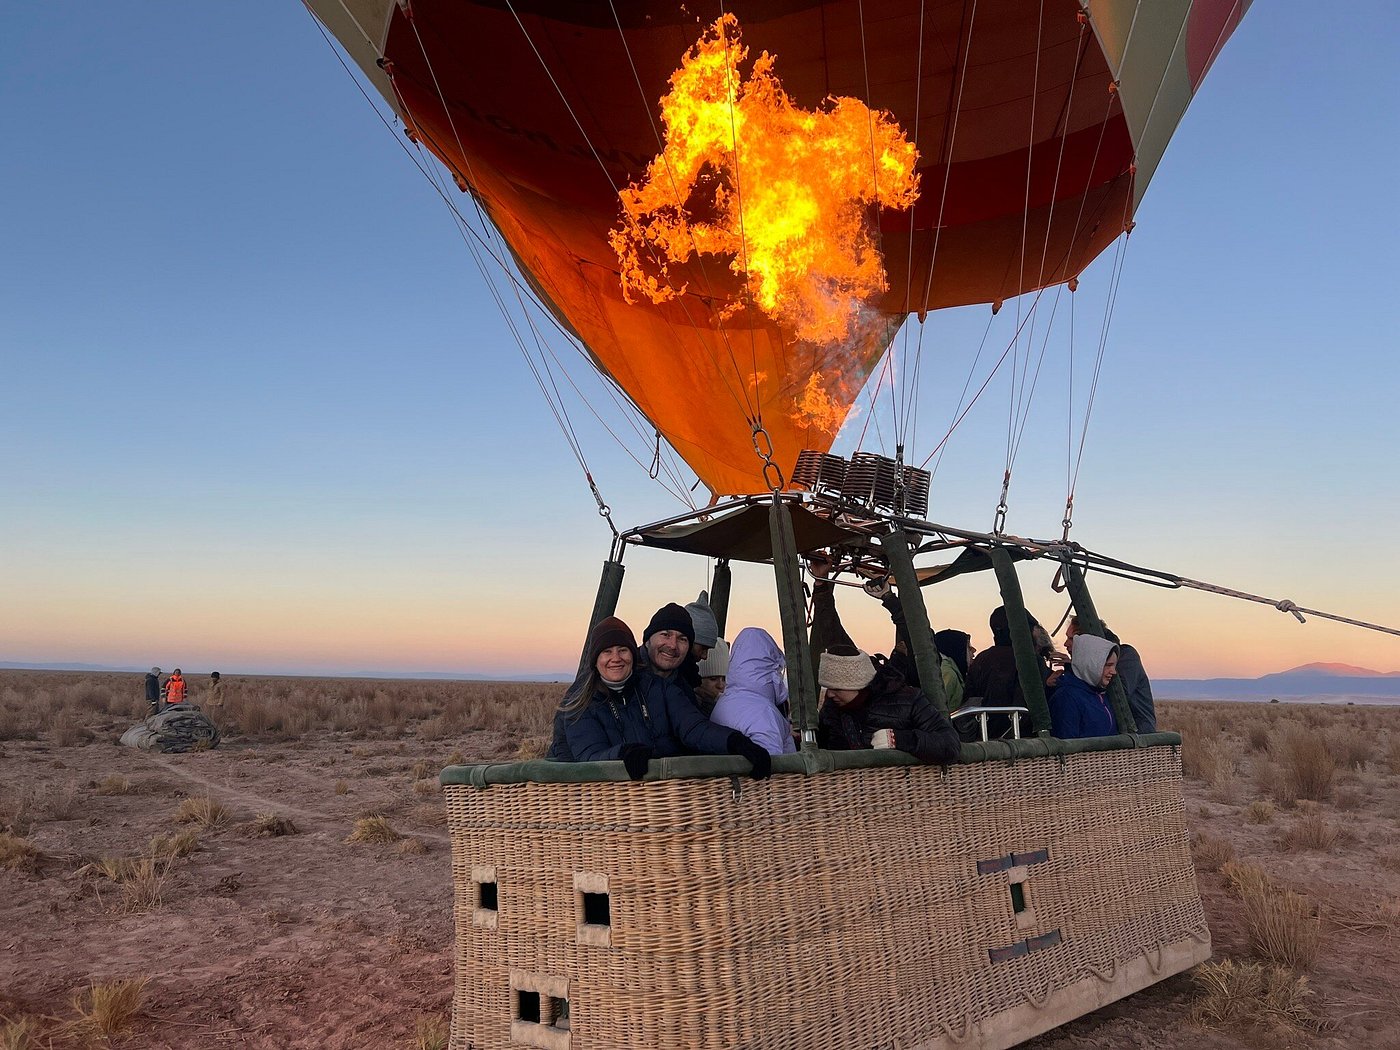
(291,888)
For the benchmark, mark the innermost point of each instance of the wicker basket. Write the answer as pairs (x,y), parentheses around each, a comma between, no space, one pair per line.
(885,906)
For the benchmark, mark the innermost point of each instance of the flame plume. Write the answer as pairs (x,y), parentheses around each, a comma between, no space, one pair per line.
(788,195)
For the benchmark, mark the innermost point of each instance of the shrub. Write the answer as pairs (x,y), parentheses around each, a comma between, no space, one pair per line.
(1244,879)
(1305,767)
(18,854)
(1350,746)
(22,1033)
(1212,852)
(204,812)
(423,768)
(269,826)
(1349,799)
(425,787)
(1260,811)
(430,1033)
(1247,994)
(1310,831)
(65,803)
(342,788)
(412,847)
(67,733)
(116,784)
(1282,928)
(180,844)
(429,816)
(373,830)
(108,1009)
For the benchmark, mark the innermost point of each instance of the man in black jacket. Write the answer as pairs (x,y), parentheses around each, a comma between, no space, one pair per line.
(153,689)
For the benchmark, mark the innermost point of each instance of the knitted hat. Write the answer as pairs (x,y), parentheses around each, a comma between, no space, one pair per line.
(716,665)
(606,633)
(703,618)
(671,617)
(838,670)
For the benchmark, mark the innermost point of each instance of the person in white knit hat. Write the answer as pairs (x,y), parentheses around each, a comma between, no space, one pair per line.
(714,671)
(874,707)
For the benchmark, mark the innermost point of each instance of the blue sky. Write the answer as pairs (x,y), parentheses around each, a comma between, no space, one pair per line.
(258,412)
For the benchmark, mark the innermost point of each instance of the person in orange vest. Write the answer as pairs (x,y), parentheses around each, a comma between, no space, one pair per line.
(175,688)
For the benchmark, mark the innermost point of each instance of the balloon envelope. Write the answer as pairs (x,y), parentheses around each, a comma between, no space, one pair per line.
(1037,132)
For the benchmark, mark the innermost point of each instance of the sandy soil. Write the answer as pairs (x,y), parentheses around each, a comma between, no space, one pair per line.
(307,940)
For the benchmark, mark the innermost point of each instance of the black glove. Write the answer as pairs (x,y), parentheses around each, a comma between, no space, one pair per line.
(758,757)
(635,757)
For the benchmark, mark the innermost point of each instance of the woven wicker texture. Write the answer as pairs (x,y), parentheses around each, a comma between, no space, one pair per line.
(859,908)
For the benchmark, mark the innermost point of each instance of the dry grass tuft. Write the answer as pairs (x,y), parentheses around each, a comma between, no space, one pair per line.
(20,1033)
(425,787)
(18,854)
(532,747)
(1351,746)
(65,804)
(1244,880)
(268,826)
(1349,799)
(1260,811)
(459,759)
(116,784)
(204,812)
(430,1033)
(423,768)
(1303,765)
(1389,858)
(412,847)
(1251,995)
(1310,831)
(109,1009)
(432,815)
(1283,928)
(67,733)
(1212,852)
(373,830)
(342,788)
(1392,753)
(179,844)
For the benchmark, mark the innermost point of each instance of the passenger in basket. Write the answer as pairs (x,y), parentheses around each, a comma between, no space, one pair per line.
(876,708)
(714,669)
(1078,707)
(755,693)
(625,712)
(992,676)
(669,652)
(1131,673)
(954,648)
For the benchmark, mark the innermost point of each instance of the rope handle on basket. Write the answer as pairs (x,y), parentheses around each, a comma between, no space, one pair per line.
(958,1037)
(1109,973)
(1155,965)
(1039,1003)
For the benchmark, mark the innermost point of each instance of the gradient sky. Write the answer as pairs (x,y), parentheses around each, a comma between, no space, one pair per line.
(258,412)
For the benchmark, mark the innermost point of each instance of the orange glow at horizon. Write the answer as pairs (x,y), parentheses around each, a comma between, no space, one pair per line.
(788,195)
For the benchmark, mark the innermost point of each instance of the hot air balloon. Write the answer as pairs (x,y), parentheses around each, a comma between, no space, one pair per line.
(1037,132)
(733,213)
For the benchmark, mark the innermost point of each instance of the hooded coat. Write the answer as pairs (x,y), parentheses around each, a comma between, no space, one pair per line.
(754,692)
(1078,707)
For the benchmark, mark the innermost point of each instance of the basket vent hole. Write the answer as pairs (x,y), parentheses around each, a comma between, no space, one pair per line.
(539,1008)
(597,909)
(1018,897)
(486,896)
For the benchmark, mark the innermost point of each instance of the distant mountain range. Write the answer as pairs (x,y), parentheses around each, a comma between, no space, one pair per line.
(1319,679)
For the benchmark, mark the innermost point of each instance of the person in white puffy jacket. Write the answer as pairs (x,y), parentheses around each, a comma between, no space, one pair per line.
(755,692)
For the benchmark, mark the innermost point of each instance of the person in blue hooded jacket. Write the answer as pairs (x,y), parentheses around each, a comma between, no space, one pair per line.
(621,712)
(755,692)
(1079,706)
